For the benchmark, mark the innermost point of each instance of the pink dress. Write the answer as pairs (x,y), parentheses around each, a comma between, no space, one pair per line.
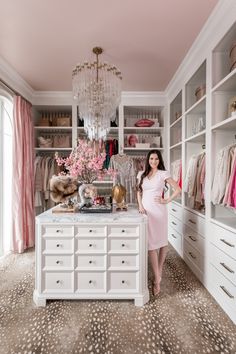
(156,212)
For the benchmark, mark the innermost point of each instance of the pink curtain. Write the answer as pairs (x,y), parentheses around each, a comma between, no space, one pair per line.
(23,176)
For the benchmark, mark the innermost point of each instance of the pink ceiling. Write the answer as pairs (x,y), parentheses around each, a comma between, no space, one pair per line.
(147,39)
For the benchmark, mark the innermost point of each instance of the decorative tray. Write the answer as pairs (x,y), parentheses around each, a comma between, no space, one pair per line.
(97,209)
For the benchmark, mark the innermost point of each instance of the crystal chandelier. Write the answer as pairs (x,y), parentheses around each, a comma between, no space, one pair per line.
(97,86)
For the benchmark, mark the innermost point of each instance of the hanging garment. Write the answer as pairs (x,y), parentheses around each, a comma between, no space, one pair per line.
(222,174)
(126,176)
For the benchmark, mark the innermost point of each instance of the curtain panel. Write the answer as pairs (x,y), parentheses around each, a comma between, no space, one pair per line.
(23,177)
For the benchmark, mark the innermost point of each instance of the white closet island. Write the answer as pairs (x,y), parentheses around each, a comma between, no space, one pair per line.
(91,256)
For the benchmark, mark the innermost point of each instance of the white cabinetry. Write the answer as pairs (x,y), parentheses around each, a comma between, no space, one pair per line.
(91,257)
(208,234)
(223,268)
(138,137)
(175,230)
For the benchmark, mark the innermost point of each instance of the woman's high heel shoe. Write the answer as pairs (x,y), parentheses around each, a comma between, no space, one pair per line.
(155,288)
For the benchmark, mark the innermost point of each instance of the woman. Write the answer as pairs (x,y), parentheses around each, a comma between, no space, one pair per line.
(151,184)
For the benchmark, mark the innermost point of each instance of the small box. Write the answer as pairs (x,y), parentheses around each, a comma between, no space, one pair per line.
(63,121)
(155,142)
(142,145)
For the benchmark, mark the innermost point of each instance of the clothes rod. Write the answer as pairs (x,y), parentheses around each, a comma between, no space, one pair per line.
(9,88)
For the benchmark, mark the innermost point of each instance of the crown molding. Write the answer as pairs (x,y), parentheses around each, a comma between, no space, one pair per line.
(52,98)
(15,81)
(220,20)
(143,98)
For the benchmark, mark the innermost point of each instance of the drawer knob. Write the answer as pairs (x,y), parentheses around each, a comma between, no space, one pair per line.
(123,231)
(226,292)
(192,238)
(90,245)
(192,255)
(123,282)
(90,230)
(227,243)
(57,262)
(173,210)
(123,245)
(123,262)
(90,281)
(90,262)
(173,223)
(58,245)
(226,267)
(173,236)
(58,281)
(58,230)
(192,222)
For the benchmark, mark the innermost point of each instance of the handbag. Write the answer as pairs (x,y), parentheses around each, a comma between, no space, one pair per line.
(61,141)
(45,142)
(44,121)
(63,121)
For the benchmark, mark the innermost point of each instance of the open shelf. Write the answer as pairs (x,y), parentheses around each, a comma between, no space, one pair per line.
(198,107)
(176,146)
(227,124)
(197,138)
(228,83)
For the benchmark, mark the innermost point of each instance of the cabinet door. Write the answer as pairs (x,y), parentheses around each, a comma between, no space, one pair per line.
(86,230)
(122,282)
(123,245)
(58,262)
(90,282)
(90,261)
(58,282)
(195,221)
(57,230)
(118,262)
(90,245)
(58,246)
(225,240)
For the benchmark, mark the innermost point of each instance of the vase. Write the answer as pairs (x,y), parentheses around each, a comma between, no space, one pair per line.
(87,194)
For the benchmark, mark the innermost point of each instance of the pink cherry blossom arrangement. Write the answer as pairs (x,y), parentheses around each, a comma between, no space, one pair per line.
(85,163)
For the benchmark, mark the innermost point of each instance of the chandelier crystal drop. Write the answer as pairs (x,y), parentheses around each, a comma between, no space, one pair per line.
(97,86)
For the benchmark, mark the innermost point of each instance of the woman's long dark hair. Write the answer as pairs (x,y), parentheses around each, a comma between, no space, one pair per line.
(161,166)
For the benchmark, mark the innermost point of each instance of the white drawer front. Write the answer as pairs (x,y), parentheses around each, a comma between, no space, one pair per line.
(196,240)
(224,239)
(58,261)
(93,230)
(58,282)
(117,230)
(124,261)
(176,224)
(122,281)
(61,245)
(91,282)
(193,255)
(124,245)
(90,245)
(57,230)
(195,221)
(223,263)
(90,261)
(223,288)
(175,239)
(176,210)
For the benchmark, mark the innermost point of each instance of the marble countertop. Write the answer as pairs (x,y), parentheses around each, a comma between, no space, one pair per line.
(130,216)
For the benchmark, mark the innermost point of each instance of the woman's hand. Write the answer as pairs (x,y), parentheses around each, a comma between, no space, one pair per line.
(158,199)
(141,209)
